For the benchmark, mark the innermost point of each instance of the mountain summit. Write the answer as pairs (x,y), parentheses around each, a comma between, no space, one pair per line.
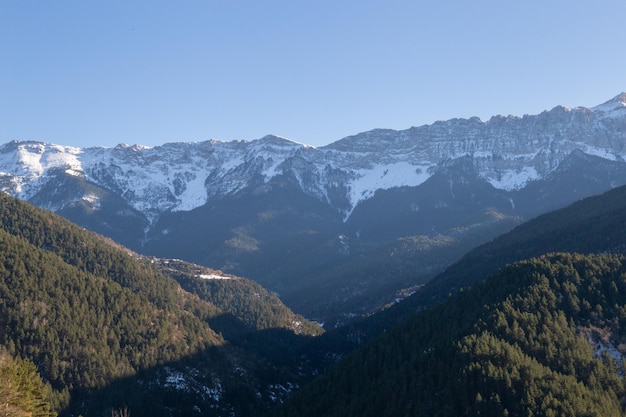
(511,151)
(243,205)
(617,103)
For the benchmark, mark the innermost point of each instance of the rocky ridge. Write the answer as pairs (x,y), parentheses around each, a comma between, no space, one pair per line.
(508,151)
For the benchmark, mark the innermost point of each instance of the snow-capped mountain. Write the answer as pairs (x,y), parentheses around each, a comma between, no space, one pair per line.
(220,197)
(509,152)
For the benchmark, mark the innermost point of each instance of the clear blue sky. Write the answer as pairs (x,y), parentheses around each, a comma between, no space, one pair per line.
(98,73)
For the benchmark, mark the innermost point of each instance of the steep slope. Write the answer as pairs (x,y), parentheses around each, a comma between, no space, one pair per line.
(541,337)
(283,213)
(245,305)
(56,274)
(593,225)
(107,329)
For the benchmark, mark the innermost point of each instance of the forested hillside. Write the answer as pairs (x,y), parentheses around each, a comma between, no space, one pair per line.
(243,300)
(22,391)
(542,337)
(107,329)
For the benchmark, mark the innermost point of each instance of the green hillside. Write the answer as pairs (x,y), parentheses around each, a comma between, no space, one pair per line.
(22,391)
(109,329)
(243,300)
(86,311)
(542,337)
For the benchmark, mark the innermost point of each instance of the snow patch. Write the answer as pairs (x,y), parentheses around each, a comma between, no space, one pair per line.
(278,392)
(30,157)
(212,276)
(193,382)
(194,194)
(231,164)
(520,156)
(368,180)
(175,380)
(214,393)
(483,154)
(600,152)
(513,179)
(27,164)
(93,199)
(616,107)
(600,349)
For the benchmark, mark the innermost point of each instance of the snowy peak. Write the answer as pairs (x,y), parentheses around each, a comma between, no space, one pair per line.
(273,140)
(25,165)
(616,104)
(509,153)
(37,157)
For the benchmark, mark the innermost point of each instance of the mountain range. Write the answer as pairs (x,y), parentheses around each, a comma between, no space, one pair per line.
(510,327)
(313,224)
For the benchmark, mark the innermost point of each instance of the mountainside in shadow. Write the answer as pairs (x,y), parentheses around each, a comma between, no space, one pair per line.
(594,225)
(287,214)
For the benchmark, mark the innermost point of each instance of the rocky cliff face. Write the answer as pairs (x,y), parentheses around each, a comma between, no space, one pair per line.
(508,151)
(227,200)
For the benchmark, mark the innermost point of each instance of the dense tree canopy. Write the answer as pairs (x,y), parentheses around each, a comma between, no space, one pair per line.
(99,321)
(528,341)
(22,391)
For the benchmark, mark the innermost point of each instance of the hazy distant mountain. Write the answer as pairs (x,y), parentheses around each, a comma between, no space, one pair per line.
(306,221)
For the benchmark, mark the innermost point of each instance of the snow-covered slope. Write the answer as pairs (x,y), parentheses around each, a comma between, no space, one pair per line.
(509,152)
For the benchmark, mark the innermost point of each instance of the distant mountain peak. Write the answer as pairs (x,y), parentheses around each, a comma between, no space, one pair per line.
(136,147)
(616,103)
(509,151)
(280,141)
(276,140)
(621,98)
